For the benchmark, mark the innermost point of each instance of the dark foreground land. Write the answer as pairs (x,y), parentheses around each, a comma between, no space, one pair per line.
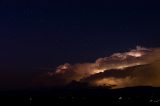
(81,96)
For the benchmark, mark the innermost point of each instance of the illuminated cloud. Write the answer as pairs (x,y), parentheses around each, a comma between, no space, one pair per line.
(134,68)
(142,75)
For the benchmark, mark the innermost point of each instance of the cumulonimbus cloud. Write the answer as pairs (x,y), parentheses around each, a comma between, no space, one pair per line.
(137,67)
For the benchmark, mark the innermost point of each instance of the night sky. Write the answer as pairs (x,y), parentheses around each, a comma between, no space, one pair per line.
(38,35)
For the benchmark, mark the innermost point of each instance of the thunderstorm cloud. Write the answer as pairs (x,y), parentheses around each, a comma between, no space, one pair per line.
(137,67)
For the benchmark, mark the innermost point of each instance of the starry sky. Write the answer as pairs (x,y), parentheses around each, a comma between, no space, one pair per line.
(38,35)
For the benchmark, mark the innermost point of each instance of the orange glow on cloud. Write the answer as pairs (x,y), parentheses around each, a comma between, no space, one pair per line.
(98,72)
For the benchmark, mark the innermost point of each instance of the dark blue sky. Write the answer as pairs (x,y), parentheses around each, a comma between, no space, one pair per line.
(39,34)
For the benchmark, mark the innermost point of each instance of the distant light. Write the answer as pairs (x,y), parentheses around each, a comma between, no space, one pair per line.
(120,98)
(30,99)
(154,101)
